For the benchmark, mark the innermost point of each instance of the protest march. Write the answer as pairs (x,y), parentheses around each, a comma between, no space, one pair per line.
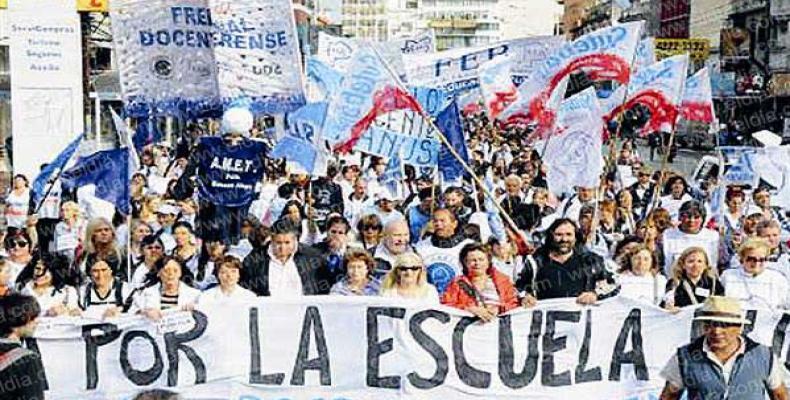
(384,220)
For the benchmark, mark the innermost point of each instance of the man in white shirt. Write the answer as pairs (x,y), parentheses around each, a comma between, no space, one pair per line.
(283,268)
(572,206)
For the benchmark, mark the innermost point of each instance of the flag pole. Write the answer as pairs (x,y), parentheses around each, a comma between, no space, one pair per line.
(664,162)
(444,141)
(49,190)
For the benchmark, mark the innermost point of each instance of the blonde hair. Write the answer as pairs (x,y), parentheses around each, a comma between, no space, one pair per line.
(93,225)
(677,268)
(390,281)
(754,244)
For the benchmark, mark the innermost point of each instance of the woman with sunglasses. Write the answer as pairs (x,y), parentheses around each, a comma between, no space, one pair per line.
(408,280)
(165,291)
(369,229)
(44,279)
(358,279)
(752,281)
(18,248)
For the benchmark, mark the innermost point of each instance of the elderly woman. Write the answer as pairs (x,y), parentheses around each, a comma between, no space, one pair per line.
(166,291)
(104,296)
(640,277)
(55,297)
(693,280)
(358,280)
(227,273)
(408,280)
(752,281)
(482,289)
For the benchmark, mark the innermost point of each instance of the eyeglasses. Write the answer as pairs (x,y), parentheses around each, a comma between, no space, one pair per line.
(371,227)
(410,268)
(717,324)
(154,248)
(751,259)
(20,243)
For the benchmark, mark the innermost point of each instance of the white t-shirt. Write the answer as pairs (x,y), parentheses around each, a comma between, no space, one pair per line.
(67,296)
(675,242)
(215,296)
(284,279)
(648,288)
(673,206)
(16,209)
(769,287)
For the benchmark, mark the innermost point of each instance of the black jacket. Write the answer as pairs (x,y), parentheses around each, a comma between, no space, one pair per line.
(24,368)
(310,265)
(544,278)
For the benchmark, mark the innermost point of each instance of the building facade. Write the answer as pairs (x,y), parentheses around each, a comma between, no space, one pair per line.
(378,20)
(460,23)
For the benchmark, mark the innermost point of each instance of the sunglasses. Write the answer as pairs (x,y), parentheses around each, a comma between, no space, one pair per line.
(20,243)
(373,227)
(410,268)
(755,259)
(717,324)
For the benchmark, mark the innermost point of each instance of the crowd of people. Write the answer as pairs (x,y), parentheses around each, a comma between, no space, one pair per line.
(656,238)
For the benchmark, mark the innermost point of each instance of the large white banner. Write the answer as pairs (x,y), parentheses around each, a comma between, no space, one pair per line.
(197,55)
(337,52)
(363,348)
(456,71)
(46,81)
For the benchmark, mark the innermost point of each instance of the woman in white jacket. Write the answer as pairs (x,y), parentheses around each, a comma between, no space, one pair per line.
(228,291)
(166,291)
(752,281)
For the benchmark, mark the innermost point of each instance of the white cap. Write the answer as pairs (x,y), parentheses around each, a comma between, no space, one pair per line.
(237,120)
(166,208)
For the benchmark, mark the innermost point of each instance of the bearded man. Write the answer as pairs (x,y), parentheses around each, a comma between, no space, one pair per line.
(564,268)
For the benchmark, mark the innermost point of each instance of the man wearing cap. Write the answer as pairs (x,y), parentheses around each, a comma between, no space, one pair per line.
(689,233)
(384,207)
(166,216)
(723,363)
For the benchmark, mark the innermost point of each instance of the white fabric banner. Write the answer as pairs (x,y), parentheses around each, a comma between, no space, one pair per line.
(337,52)
(574,153)
(362,348)
(46,81)
(606,54)
(197,55)
(498,91)
(697,104)
(456,71)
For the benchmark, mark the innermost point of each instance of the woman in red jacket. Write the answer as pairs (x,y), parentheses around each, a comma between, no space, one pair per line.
(481,290)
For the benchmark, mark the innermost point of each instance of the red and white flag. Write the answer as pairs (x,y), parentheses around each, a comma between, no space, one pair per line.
(606,54)
(496,86)
(697,102)
(659,88)
(369,89)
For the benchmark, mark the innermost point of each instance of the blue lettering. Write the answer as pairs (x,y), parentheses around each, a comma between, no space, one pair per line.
(469,61)
(146,38)
(439,65)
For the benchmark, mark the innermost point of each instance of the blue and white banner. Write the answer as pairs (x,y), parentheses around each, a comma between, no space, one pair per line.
(196,56)
(302,142)
(322,80)
(574,152)
(456,71)
(645,53)
(337,52)
(359,348)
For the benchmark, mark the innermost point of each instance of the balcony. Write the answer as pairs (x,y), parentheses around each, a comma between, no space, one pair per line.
(453,23)
(747,6)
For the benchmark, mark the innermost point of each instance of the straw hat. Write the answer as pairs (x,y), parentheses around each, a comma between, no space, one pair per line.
(722,309)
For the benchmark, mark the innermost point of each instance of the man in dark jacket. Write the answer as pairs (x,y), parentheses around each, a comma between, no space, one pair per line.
(21,371)
(333,248)
(563,268)
(283,268)
(327,197)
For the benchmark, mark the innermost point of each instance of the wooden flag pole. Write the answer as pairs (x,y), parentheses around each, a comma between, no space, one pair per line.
(444,141)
